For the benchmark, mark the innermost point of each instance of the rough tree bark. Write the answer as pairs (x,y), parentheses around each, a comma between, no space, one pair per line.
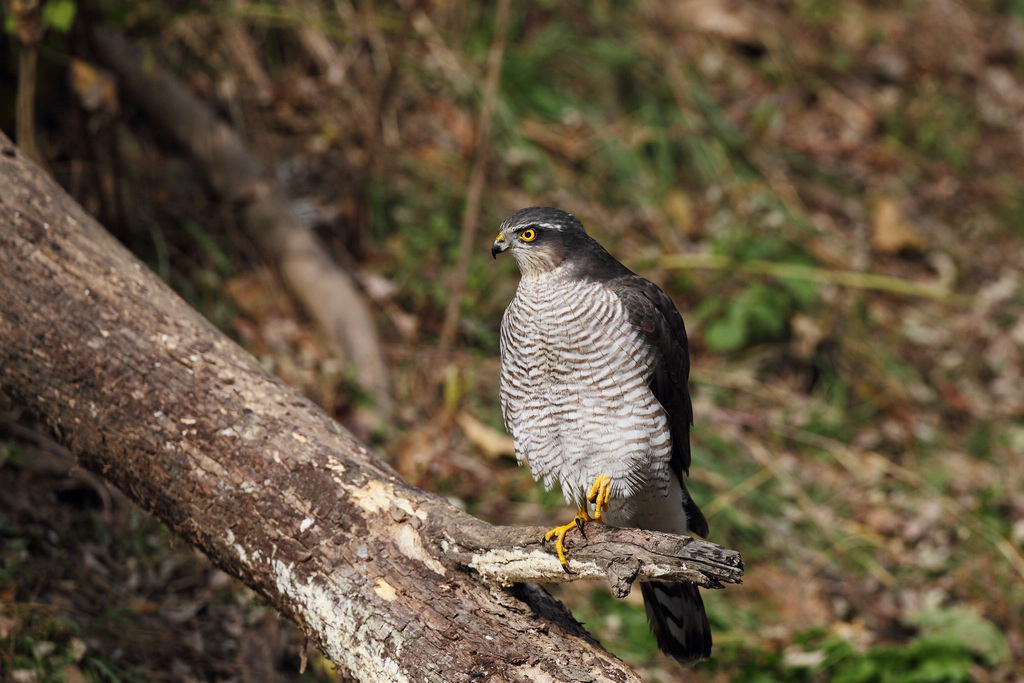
(392,583)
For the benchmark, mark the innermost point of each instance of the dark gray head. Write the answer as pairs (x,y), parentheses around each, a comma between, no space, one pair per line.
(542,239)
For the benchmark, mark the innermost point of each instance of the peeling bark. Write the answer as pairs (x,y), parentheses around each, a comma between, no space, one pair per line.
(144,391)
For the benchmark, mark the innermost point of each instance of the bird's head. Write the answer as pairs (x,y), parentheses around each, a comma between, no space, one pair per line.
(540,238)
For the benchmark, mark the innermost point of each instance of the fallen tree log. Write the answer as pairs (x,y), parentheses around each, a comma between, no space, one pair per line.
(391,582)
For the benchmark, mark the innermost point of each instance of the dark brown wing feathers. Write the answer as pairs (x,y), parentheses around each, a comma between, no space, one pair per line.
(652,311)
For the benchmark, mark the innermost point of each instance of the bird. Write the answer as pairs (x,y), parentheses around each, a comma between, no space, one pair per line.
(593,389)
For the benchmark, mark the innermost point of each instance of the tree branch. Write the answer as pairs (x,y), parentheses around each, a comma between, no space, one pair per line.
(477,174)
(145,392)
(508,555)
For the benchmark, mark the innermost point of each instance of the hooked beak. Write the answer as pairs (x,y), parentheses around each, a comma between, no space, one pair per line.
(499,245)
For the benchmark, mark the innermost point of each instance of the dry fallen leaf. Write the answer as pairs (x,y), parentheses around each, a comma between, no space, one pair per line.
(679,209)
(94,88)
(727,20)
(891,232)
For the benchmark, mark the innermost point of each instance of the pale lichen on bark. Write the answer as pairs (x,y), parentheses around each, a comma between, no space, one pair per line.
(379,574)
(362,650)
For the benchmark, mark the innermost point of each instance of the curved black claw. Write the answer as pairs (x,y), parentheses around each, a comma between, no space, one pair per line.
(559,532)
(579,525)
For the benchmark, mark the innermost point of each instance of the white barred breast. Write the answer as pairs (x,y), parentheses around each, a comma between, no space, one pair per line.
(574,391)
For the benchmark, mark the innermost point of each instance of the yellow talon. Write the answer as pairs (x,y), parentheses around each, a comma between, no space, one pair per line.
(559,532)
(599,494)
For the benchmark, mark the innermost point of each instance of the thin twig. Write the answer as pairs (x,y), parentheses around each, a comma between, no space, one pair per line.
(477,174)
(244,54)
(28,30)
(797,271)
(376,147)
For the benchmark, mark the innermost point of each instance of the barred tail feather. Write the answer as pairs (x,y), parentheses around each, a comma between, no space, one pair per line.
(676,614)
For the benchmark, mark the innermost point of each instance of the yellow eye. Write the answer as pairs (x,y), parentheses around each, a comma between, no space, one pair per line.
(528,235)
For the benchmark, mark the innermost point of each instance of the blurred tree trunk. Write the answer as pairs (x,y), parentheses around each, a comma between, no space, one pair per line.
(147,393)
(325,290)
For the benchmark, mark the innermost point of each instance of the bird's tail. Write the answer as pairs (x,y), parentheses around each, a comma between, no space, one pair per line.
(677,617)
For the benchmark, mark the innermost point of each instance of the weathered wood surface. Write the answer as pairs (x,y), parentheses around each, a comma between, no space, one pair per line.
(507,555)
(147,393)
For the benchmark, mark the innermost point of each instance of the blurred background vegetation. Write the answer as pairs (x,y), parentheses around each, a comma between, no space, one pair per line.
(831,191)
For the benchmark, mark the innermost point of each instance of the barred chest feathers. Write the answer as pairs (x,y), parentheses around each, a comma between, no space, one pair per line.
(575,390)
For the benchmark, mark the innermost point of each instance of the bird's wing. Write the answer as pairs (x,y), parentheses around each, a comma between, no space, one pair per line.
(652,312)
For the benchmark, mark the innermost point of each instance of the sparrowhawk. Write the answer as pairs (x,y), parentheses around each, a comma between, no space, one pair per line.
(594,370)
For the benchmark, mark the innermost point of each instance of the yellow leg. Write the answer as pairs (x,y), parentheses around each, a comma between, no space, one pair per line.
(559,532)
(599,494)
